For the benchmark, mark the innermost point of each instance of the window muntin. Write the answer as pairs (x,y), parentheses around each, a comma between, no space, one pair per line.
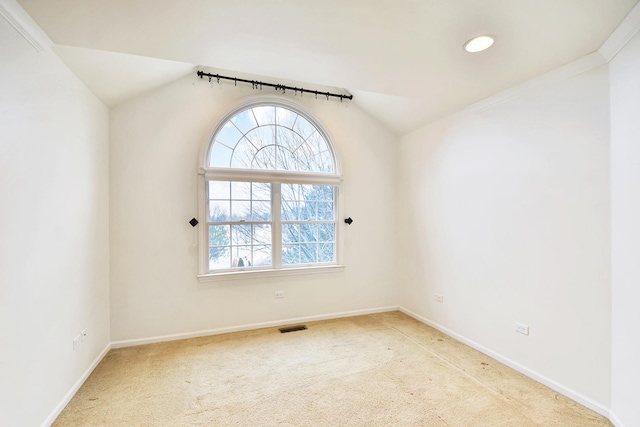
(308,224)
(271,182)
(240,224)
(271,138)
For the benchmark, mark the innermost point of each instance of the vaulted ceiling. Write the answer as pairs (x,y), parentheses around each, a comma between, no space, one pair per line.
(401,59)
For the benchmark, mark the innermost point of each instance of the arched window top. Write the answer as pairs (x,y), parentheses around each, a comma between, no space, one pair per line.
(271,137)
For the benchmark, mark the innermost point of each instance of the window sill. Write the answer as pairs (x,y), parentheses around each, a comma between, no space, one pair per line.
(255,274)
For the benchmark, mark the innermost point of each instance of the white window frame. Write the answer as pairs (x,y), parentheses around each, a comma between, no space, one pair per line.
(206,173)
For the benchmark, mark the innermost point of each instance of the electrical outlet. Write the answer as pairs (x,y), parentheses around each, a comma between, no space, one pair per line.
(77,341)
(84,334)
(279,294)
(523,329)
(439,298)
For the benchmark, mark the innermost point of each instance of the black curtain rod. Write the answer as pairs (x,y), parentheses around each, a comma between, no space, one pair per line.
(258,85)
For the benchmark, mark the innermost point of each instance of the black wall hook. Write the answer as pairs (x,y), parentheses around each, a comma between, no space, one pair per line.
(348,221)
(193,222)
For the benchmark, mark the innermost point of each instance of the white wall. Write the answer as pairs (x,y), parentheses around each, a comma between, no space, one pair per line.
(54,255)
(505,213)
(625,232)
(155,142)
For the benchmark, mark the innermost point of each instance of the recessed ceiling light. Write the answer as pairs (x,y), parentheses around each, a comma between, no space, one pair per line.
(478,44)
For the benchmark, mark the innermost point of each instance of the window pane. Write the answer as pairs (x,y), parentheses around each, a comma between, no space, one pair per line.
(290,254)
(288,138)
(289,191)
(265,115)
(308,232)
(261,211)
(303,127)
(301,161)
(240,210)
(308,211)
(243,155)
(240,234)
(290,233)
(241,190)
(304,239)
(244,121)
(295,144)
(261,191)
(327,233)
(323,192)
(219,190)
(220,156)
(228,135)
(324,162)
(325,211)
(284,159)
(262,256)
(316,143)
(261,234)
(285,117)
(308,253)
(219,258)
(219,211)
(262,136)
(327,253)
(218,236)
(265,159)
(241,256)
(308,192)
(289,210)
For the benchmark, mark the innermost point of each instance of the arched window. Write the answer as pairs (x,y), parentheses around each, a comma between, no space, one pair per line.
(270,184)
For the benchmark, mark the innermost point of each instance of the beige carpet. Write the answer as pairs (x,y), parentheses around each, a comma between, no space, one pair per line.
(377,370)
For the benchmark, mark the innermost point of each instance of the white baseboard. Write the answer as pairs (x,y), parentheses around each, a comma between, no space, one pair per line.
(67,398)
(583,400)
(589,403)
(248,327)
(615,420)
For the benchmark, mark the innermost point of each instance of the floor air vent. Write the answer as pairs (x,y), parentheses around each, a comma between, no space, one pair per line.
(292,329)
